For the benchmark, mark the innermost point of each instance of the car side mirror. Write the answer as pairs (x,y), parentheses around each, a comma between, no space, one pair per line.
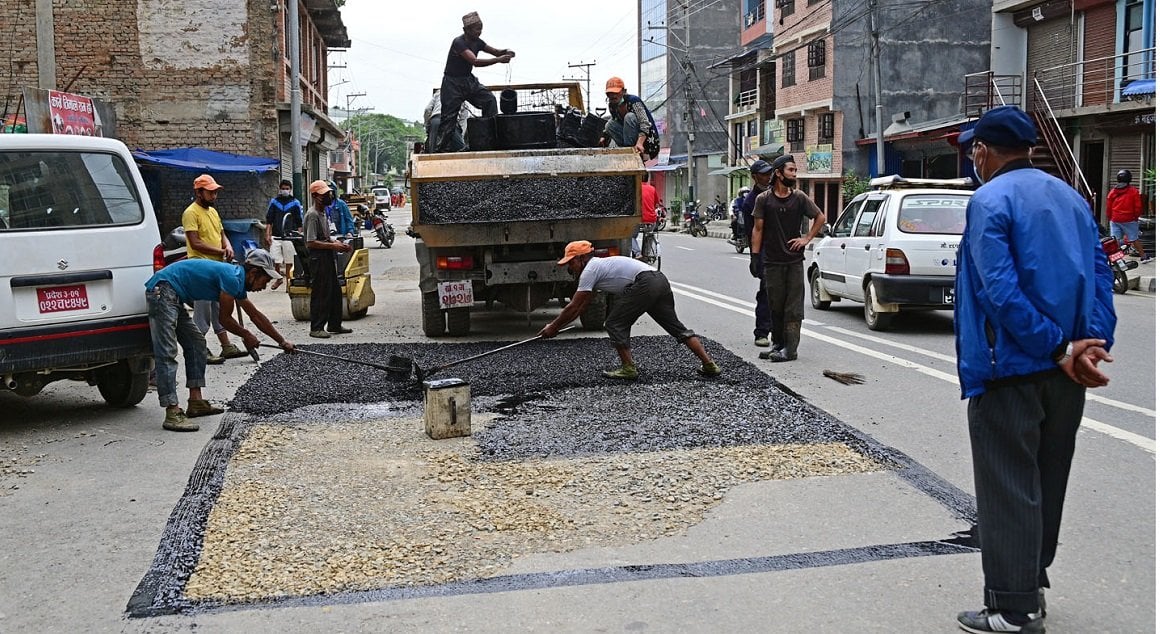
(826,229)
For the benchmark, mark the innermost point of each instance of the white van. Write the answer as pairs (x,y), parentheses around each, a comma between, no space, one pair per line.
(78,240)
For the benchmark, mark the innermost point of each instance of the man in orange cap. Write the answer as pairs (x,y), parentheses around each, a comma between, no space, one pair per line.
(459,84)
(205,238)
(639,289)
(325,294)
(631,124)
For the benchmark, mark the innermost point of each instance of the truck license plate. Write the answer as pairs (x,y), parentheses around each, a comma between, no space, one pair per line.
(455,294)
(55,299)
(949,295)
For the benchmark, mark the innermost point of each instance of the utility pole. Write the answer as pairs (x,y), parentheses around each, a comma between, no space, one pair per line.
(587,80)
(876,54)
(295,101)
(45,45)
(692,136)
(358,164)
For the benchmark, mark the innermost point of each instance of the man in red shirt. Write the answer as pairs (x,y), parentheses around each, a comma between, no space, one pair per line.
(1124,209)
(649,200)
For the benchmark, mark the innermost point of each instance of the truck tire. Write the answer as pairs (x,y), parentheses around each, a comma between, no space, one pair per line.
(593,316)
(120,386)
(300,307)
(434,322)
(458,321)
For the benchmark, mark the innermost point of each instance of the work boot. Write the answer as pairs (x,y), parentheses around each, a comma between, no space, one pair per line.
(230,351)
(176,420)
(214,359)
(339,331)
(793,335)
(709,370)
(627,372)
(761,342)
(320,334)
(201,407)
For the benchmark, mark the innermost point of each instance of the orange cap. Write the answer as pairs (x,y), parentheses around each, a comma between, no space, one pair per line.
(580,247)
(319,187)
(205,181)
(615,84)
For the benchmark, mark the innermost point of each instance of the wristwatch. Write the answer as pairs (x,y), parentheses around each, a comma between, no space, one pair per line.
(1062,354)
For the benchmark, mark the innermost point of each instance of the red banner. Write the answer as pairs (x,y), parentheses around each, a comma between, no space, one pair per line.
(71,114)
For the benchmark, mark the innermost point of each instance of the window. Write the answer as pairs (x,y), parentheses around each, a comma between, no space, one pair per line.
(845,223)
(788,72)
(927,213)
(786,7)
(65,189)
(795,133)
(816,59)
(738,140)
(865,225)
(1134,65)
(826,128)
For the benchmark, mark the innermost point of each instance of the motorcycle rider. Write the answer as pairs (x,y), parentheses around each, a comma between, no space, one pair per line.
(1124,209)
(735,220)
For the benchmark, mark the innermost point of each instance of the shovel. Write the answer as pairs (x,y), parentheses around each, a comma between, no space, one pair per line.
(398,363)
(401,372)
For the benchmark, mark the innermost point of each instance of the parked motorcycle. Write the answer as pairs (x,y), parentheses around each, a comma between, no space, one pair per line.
(716,211)
(1118,259)
(695,224)
(384,231)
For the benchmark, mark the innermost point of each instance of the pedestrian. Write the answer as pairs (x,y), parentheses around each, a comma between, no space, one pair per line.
(1033,319)
(283,216)
(650,199)
(339,214)
(433,117)
(631,123)
(325,293)
(762,173)
(460,85)
(1124,209)
(206,239)
(777,253)
(170,326)
(639,289)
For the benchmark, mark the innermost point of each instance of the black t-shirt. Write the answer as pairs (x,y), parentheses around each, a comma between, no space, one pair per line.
(456,65)
(783,222)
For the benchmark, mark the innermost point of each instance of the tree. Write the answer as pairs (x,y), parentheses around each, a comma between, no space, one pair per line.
(852,185)
(386,132)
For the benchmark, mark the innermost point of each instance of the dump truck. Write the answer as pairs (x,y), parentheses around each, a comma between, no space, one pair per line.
(491,224)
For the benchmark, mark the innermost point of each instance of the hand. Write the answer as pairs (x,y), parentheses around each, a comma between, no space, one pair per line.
(228,253)
(505,58)
(343,247)
(288,347)
(755,265)
(797,244)
(1086,355)
(249,340)
(508,52)
(549,331)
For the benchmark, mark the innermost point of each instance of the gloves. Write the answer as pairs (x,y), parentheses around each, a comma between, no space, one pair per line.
(756,265)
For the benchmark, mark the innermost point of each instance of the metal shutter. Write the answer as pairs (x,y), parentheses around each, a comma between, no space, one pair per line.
(1050,43)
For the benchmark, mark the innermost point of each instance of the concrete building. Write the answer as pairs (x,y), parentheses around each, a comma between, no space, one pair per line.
(202,73)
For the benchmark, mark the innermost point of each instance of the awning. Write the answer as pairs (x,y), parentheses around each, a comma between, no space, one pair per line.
(727,170)
(751,48)
(665,168)
(195,159)
(1140,87)
(769,149)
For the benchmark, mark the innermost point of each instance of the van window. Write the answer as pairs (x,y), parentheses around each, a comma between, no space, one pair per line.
(46,190)
(930,213)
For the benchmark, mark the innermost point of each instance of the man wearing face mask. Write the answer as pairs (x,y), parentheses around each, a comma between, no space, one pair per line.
(283,216)
(777,243)
(325,294)
(631,124)
(1033,319)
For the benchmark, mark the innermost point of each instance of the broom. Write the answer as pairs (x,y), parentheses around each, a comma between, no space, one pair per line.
(845,378)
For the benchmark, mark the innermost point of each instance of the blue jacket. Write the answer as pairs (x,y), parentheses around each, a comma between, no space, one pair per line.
(343,221)
(1030,275)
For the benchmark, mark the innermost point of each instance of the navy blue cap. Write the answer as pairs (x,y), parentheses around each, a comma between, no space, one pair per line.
(780,161)
(760,167)
(1005,126)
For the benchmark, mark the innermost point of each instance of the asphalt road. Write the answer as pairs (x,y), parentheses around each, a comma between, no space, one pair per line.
(85,492)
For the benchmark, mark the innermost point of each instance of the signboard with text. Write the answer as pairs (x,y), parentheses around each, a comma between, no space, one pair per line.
(71,114)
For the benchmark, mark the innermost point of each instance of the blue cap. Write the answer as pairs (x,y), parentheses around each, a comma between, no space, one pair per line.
(1005,126)
(760,167)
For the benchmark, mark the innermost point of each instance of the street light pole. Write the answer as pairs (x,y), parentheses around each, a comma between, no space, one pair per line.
(295,101)
(688,67)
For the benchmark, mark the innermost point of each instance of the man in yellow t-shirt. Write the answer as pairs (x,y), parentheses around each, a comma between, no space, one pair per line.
(205,238)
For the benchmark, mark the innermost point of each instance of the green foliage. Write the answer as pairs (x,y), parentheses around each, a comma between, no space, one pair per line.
(384,139)
(852,185)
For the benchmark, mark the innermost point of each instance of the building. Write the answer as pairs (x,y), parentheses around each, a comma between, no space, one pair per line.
(202,73)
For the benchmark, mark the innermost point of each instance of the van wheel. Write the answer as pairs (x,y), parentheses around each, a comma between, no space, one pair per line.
(434,323)
(458,321)
(120,386)
(300,307)
(816,291)
(877,321)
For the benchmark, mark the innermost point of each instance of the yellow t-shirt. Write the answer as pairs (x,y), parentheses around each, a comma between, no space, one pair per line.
(208,226)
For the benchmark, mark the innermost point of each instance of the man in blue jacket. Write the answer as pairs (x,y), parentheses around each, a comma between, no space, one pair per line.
(1033,319)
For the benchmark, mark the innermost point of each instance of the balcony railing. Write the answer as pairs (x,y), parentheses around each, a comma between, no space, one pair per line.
(986,90)
(746,100)
(1095,82)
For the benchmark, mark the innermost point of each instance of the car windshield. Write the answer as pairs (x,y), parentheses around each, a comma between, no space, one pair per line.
(381,192)
(47,190)
(933,213)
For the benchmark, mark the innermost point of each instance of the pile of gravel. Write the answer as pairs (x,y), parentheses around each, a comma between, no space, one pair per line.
(526,198)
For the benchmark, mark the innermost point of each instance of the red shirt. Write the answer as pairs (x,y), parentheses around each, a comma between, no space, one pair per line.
(1124,204)
(649,199)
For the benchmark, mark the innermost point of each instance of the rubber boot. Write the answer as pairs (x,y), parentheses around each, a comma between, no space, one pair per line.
(793,336)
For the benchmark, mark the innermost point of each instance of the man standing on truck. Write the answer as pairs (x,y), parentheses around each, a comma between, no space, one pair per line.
(631,124)
(639,289)
(325,294)
(283,215)
(201,279)
(459,84)
(205,238)
(777,243)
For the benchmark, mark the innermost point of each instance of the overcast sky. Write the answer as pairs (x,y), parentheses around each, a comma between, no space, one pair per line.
(399,47)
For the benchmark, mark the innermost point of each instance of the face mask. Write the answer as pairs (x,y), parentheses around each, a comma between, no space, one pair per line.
(975,169)
(284,193)
(788,182)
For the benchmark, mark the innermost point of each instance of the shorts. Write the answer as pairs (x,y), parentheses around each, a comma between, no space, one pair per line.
(1129,229)
(282,251)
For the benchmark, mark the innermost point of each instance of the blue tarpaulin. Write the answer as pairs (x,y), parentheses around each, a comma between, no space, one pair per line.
(195,159)
(1140,87)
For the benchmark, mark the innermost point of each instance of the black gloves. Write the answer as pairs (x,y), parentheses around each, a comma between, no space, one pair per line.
(756,265)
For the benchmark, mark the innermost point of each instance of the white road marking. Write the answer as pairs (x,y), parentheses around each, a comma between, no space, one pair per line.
(746,308)
(686,248)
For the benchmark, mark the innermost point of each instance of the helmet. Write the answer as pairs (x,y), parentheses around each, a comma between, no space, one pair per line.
(743,190)
(332,186)
(1123,176)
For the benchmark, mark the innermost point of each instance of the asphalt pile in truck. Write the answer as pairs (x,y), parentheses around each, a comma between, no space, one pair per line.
(516,199)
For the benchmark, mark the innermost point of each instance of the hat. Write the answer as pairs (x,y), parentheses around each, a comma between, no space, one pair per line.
(760,167)
(1005,126)
(261,259)
(471,18)
(205,181)
(614,84)
(319,187)
(580,247)
(780,161)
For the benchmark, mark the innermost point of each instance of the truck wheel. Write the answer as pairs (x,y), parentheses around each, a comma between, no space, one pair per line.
(300,307)
(458,321)
(593,316)
(120,386)
(434,323)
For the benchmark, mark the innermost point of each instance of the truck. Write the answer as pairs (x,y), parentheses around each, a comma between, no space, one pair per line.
(491,224)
